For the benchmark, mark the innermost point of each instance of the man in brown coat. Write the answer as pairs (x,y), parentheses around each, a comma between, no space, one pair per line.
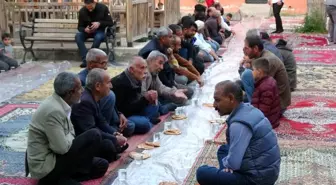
(254,49)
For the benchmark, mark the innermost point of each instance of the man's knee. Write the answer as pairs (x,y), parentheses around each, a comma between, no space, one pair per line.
(99,167)
(201,174)
(99,37)
(80,37)
(129,130)
(4,66)
(142,124)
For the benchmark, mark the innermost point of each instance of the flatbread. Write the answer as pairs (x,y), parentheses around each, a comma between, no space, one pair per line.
(179,117)
(145,146)
(208,105)
(172,132)
(168,183)
(153,144)
(136,155)
(220,121)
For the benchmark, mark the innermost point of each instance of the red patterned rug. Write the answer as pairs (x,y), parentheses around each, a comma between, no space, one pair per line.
(317,57)
(310,117)
(302,40)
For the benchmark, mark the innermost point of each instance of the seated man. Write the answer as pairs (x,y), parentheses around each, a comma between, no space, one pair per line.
(266,96)
(86,114)
(213,26)
(254,49)
(142,108)
(251,155)
(155,62)
(167,74)
(97,58)
(289,62)
(188,51)
(6,53)
(206,48)
(54,155)
(268,45)
(92,21)
(185,71)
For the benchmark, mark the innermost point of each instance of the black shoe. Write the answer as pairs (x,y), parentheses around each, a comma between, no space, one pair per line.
(276,31)
(123,148)
(82,65)
(155,121)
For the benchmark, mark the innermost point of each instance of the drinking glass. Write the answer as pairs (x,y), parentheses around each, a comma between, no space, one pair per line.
(167,125)
(139,160)
(122,174)
(156,137)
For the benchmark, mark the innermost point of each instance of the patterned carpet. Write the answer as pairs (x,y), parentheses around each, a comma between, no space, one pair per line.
(307,133)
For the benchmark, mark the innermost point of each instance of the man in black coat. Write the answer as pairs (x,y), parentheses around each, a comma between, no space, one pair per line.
(86,114)
(92,20)
(142,109)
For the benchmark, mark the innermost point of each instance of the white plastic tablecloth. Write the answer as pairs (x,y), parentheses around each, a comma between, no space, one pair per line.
(173,160)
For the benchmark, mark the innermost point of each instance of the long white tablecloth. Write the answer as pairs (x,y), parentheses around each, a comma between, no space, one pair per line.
(173,160)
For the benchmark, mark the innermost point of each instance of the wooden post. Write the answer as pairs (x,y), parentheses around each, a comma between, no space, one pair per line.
(151,17)
(129,21)
(3,18)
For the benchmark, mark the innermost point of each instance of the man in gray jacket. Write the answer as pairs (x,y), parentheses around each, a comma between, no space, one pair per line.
(54,155)
(155,61)
(331,11)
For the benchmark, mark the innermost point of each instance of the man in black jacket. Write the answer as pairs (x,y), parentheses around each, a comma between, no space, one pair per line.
(92,21)
(86,114)
(141,108)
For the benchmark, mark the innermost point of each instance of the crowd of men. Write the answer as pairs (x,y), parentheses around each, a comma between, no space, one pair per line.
(84,125)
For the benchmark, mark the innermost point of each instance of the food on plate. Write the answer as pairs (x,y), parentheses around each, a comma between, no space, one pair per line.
(154,144)
(136,155)
(179,117)
(172,132)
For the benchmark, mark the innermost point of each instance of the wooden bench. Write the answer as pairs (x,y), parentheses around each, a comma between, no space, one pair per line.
(60,30)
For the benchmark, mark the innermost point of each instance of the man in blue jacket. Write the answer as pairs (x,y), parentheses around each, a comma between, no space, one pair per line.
(251,155)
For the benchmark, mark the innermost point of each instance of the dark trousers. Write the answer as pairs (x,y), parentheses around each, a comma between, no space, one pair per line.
(276,12)
(81,37)
(79,163)
(6,62)
(331,11)
(198,62)
(207,175)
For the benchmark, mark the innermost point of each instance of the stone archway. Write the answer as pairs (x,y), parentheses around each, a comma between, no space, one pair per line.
(256,1)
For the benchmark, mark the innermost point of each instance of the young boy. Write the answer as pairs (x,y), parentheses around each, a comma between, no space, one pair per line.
(265,96)
(6,53)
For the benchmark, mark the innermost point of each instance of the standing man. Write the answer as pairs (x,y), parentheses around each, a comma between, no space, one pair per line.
(277,5)
(92,21)
(331,11)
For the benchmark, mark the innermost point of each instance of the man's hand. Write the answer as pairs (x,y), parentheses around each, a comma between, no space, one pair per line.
(180,94)
(151,96)
(170,51)
(95,26)
(200,81)
(87,30)
(121,140)
(123,122)
(227,170)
